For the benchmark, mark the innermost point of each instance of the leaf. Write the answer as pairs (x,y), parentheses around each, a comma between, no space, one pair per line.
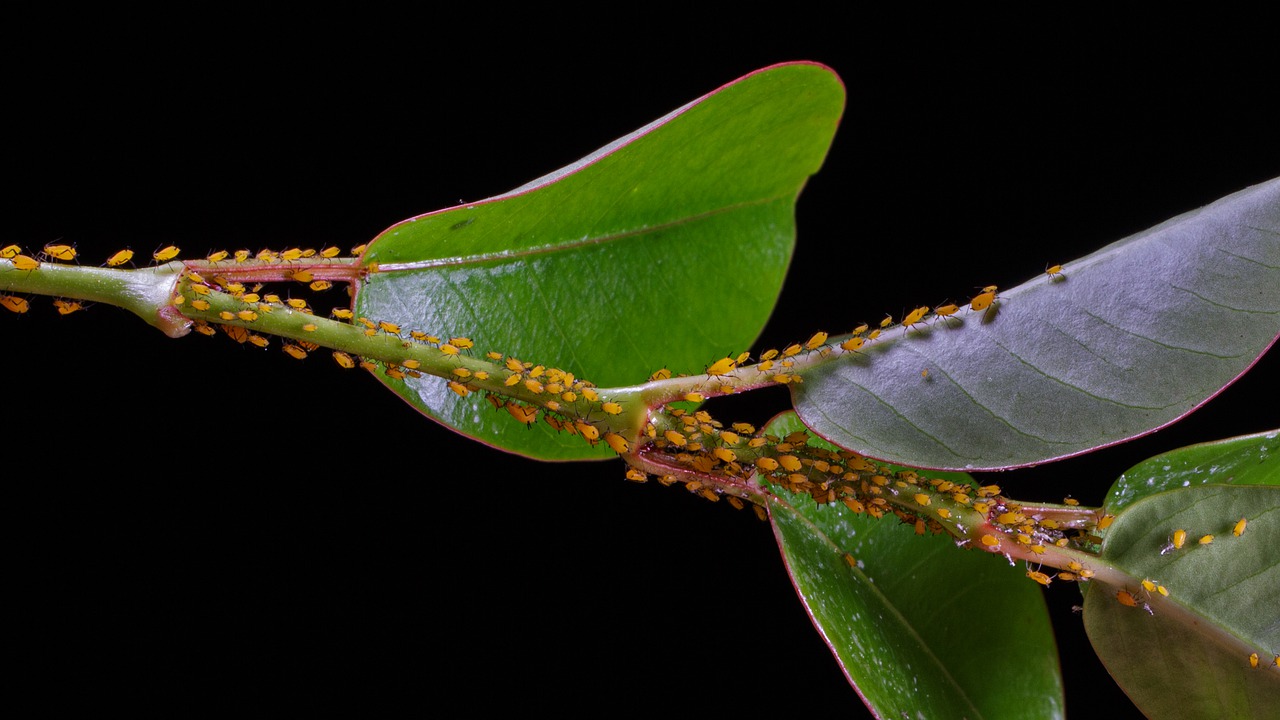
(1127,340)
(911,624)
(1189,658)
(1246,460)
(666,248)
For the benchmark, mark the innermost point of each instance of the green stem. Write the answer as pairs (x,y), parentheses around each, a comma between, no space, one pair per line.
(146,292)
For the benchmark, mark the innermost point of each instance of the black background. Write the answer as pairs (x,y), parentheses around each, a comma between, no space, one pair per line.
(193,521)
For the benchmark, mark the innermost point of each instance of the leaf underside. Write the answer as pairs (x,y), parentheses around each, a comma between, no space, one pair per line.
(666,248)
(1125,341)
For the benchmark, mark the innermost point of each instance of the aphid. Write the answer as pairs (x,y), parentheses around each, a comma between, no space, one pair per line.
(915,316)
(722,367)
(1106,521)
(343,359)
(22,262)
(588,431)
(675,438)
(166,253)
(368,365)
(635,475)
(923,499)
(1253,660)
(946,311)
(200,304)
(1054,272)
(359,248)
(200,289)
(1039,577)
(330,252)
(14,303)
(342,313)
(694,397)
(852,344)
(791,350)
(10,251)
(389,327)
(247,315)
(462,372)
(1206,539)
(1126,598)
(205,328)
(457,387)
(241,255)
(321,285)
(990,540)
(886,322)
(448,349)
(295,351)
(1179,538)
(617,442)
(817,339)
(768,355)
(463,343)
(259,340)
(983,300)
(291,254)
(1148,585)
(218,256)
(612,408)
(60,252)
(1238,530)
(66,307)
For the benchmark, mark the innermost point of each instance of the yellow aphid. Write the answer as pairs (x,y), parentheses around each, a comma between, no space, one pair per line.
(1070,501)
(302,276)
(1238,530)
(769,355)
(66,307)
(294,351)
(791,350)
(721,367)
(359,248)
(790,463)
(60,251)
(923,499)
(694,397)
(617,442)
(1039,577)
(588,431)
(1179,538)
(121,257)
(946,310)
(990,540)
(1206,539)
(205,328)
(915,316)
(166,253)
(590,394)
(200,304)
(462,373)
(387,327)
(291,254)
(22,262)
(852,344)
(767,464)
(259,340)
(200,289)
(1162,590)
(1148,585)
(448,349)
(461,342)
(886,322)
(343,359)
(725,454)
(271,298)
(1054,272)
(10,251)
(1069,577)
(534,386)
(368,365)
(982,301)
(342,313)
(612,408)
(413,364)
(226,315)
(1106,521)
(218,256)
(296,303)
(1253,660)
(675,438)
(817,339)
(241,255)
(455,386)
(14,303)
(321,285)
(330,252)
(1126,598)
(247,315)
(635,475)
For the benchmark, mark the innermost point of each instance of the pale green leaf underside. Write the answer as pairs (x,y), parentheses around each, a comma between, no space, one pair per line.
(1129,339)
(666,248)
(911,625)
(1188,658)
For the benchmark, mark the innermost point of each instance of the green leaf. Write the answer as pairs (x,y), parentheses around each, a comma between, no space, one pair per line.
(667,247)
(1189,656)
(1125,341)
(911,624)
(1245,460)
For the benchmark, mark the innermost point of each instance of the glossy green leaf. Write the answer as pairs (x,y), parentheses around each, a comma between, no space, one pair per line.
(1186,655)
(911,624)
(1246,460)
(1125,341)
(666,248)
